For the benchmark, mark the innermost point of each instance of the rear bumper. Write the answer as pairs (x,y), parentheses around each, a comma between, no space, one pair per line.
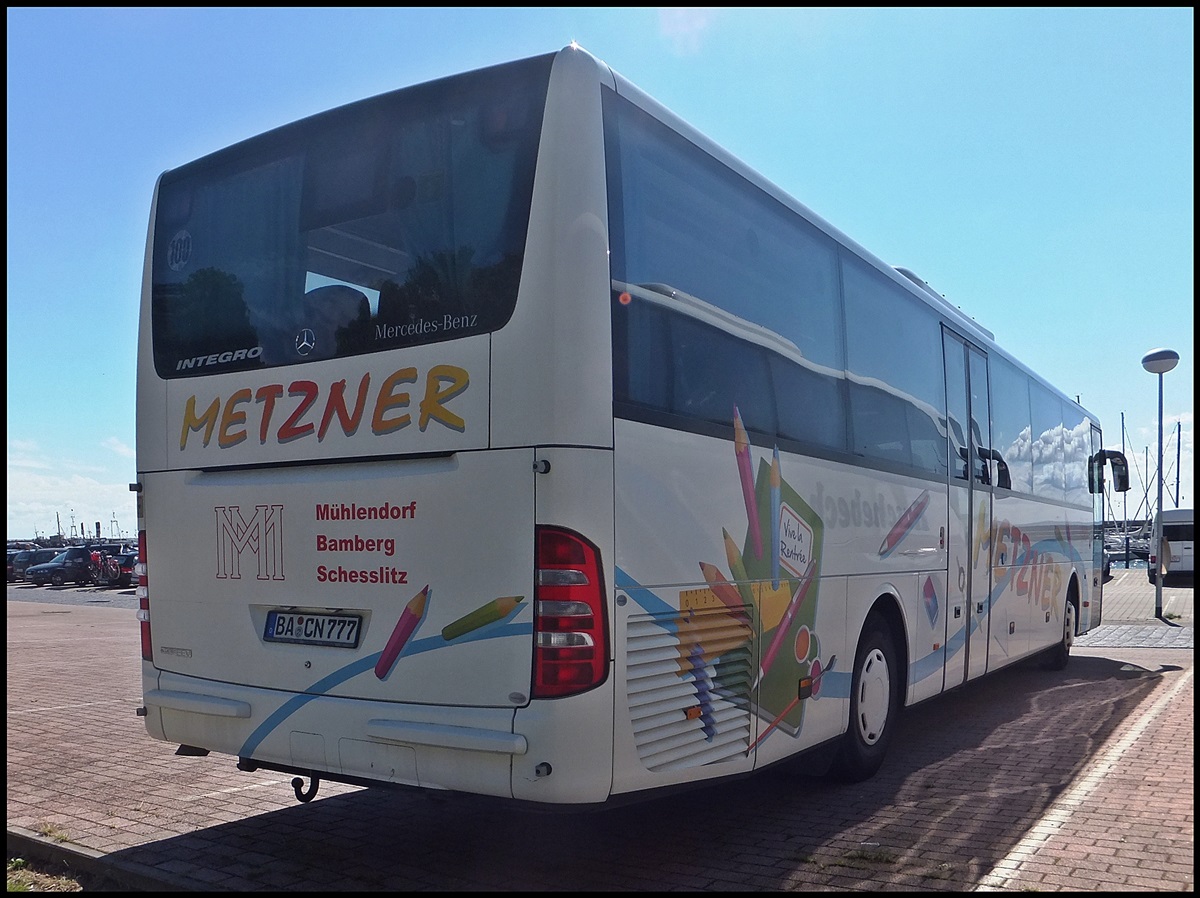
(466,749)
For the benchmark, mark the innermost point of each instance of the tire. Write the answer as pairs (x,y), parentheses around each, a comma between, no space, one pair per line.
(874,706)
(58,578)
(1057,657)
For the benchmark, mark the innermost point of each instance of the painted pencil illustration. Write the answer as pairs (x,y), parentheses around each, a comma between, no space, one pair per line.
(405,626)
(489,613)
(904,525)
(741,446)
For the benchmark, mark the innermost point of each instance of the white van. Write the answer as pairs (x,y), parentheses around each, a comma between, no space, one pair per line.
(1176,562)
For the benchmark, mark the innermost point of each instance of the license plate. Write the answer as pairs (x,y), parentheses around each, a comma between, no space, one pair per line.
(342,630)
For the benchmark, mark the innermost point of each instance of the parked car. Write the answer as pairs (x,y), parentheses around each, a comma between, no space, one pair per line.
(12,553)
(117,570)
(1178,548)
(72,565)
(39,574)
(111,548)
(27,558)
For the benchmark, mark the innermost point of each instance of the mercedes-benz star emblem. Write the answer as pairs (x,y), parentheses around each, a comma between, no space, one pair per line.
(306,341)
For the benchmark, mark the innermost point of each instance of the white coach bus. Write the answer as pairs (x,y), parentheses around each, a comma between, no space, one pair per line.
(504,435)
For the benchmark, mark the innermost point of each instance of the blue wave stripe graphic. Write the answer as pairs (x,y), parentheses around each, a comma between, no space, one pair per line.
(360,666)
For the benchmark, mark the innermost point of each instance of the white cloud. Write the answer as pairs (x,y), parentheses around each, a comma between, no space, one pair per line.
(685,27)
(119,447)
(47,494)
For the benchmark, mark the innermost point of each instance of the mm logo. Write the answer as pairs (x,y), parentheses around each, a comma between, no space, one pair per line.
(262,535)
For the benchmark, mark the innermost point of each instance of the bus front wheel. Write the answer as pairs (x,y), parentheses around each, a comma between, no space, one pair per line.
(874,705)
(1059,655)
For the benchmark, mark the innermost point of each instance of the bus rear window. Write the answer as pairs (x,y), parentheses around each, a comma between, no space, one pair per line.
(396,221)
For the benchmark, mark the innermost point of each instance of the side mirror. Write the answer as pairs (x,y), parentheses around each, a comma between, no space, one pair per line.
(1120,471)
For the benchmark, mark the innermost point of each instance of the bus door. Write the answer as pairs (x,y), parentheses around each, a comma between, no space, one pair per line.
(969,623)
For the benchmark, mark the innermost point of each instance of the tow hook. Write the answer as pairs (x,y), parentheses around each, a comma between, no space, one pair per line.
(301,794)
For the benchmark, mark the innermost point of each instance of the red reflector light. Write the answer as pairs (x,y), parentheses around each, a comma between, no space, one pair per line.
(143,594)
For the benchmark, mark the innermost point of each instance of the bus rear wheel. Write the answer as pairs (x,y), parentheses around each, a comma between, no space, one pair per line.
(874,705)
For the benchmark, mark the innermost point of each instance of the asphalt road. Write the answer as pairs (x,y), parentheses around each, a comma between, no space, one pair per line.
(89,596)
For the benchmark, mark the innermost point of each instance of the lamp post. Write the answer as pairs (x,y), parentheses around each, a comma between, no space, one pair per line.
(1159,361)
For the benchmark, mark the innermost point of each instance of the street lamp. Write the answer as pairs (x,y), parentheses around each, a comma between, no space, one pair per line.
(1159,361)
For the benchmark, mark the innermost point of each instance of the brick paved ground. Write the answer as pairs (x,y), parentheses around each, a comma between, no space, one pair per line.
(1024,781)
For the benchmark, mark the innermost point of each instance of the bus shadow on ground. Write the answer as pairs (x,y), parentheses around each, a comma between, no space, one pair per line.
(968,775)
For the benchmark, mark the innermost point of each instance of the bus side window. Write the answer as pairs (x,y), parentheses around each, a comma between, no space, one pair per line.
(811,406)
(642,358)
(880,424)
(927,442)
(713,373)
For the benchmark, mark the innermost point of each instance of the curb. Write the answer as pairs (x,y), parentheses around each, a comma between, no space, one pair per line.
(134,877)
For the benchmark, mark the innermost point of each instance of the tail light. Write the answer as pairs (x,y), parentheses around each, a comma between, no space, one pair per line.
(143,597)
(570,629)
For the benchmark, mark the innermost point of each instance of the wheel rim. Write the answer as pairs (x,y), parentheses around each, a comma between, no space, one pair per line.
(1069,626)
(874,697)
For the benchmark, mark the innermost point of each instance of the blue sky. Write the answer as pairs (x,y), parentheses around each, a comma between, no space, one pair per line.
(1035,166)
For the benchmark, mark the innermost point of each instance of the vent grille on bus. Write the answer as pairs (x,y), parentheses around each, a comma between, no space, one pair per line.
(688,679)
